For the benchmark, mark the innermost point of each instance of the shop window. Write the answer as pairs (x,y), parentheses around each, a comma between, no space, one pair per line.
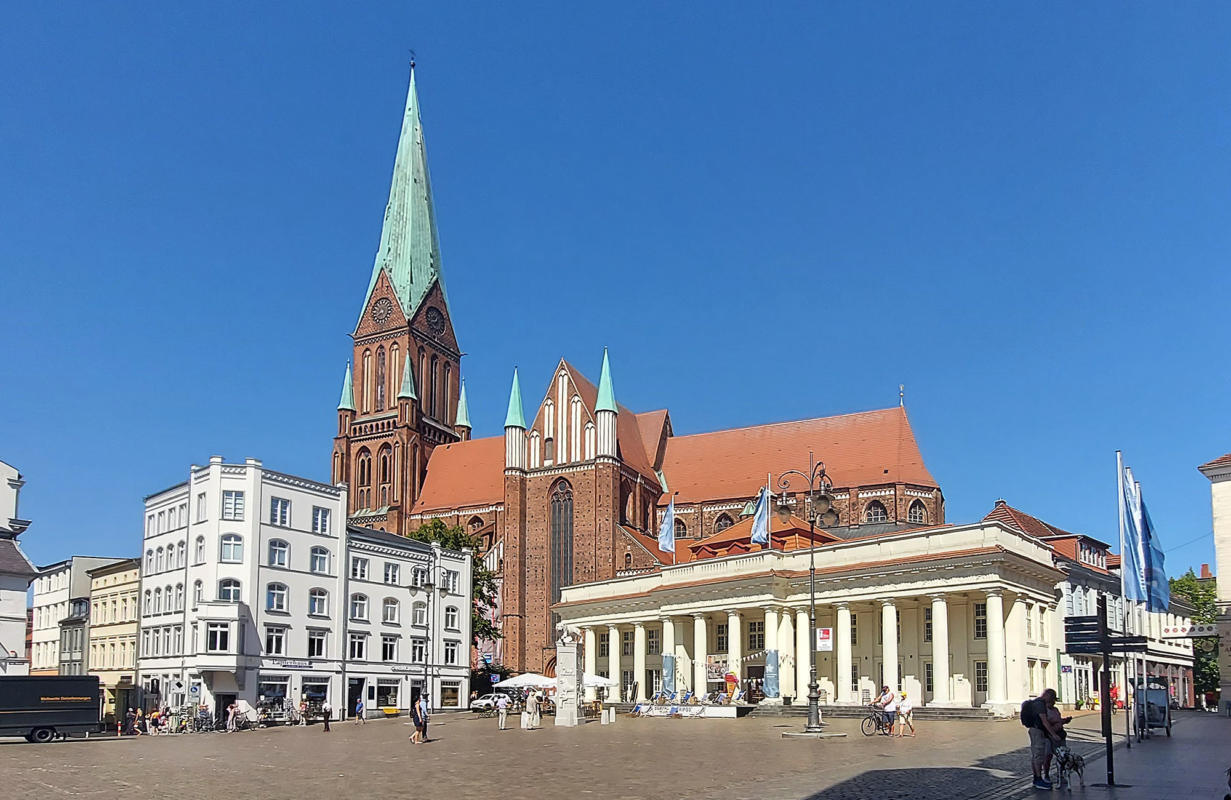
(450,694)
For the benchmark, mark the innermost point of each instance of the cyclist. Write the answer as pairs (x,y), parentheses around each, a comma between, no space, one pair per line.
(887,703)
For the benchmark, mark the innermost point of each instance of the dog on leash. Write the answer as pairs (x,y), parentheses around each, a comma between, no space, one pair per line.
(1069,763)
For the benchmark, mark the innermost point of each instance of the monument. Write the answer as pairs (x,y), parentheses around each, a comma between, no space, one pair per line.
(568,680)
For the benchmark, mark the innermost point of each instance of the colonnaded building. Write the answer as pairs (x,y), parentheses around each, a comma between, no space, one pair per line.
(568,500)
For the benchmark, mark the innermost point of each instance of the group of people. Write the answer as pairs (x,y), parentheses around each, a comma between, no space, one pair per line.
(899,712)
(136,722)
(1045,726)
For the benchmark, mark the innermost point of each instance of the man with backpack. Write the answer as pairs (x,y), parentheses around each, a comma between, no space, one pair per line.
(1042,732)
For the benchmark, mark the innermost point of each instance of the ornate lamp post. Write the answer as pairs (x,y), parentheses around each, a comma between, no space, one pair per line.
(819,507)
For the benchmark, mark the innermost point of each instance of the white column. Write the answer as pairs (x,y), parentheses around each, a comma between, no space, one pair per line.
(842,654)
(996,679)
(1016,680)
(735,640)
(670,681)
(773,671)
(700,643)
(613,659)
(787,657)
(590,645)
(889,643)
(803,654)
(639,661)
(940,650)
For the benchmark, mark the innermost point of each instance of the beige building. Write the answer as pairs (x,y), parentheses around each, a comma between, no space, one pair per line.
(1219,473)
(114,621)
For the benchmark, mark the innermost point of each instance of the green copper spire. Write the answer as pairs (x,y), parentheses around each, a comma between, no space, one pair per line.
(606,391)
(409,246)
(463,409)
(515,418)
(347,403)
(408,381)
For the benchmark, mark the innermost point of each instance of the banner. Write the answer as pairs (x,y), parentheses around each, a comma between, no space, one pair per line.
(824,640)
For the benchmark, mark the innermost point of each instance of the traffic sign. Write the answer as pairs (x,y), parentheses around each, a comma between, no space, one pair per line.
(495,679)
(487,658)
(194,689)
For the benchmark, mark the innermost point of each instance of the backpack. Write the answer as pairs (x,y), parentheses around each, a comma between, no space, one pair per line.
(1029,714)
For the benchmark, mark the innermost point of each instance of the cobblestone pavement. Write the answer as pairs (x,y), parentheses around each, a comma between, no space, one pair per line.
(469,757)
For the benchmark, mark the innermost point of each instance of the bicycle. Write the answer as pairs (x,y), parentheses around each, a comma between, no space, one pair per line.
(875,722)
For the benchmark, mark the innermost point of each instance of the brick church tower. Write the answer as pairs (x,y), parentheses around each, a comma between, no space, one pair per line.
(404,396)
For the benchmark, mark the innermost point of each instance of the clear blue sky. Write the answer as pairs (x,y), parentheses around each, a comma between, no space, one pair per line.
(1021,212)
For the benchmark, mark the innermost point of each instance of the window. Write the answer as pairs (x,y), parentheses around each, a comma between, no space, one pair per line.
(233,506)
(604,646)
(561,528)
(1029,623)
(875,512)
(927,627)
(232,549)
(359,607)
(228,590)
(279,512)
(720,637)
(179,597)
(980,676)
(981,622)
(316,644)
(159,560)
(756,636)
(418,577)
(854,629)
(653,642)
(320,520)
(388,648)
(358,650)
(199,557)
(196,592)
(681,529)
(217,637)
(626,643)
(275,641)
(359,569)
(393,573)
(201,507)
(390,611)
(723,522)
(917,513)
(275,597)
(158,601)
(451,651)
(181,555)
(318,602)
(149,560)
(418,651)
(451,619)
(419,614)
(927,677)
(449,580)
(319,562)
(279,552)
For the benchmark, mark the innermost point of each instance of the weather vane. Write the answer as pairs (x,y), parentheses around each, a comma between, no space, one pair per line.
(412,58)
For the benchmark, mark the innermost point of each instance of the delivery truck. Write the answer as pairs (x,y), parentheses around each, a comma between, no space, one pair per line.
(43,708)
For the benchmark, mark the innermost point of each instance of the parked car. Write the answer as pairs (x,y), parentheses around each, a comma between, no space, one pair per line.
(486,702)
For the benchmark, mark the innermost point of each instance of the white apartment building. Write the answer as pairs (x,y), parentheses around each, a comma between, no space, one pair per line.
(16,572)
(253,588)
(62,592)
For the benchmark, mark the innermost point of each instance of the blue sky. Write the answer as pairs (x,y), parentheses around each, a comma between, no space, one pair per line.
(1020,212)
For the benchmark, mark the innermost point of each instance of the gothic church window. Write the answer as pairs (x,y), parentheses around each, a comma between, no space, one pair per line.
(681,529)
(435,387)
(561,537)
(875,512)
(723,522)
(380,379)
(917,513)
(367,381)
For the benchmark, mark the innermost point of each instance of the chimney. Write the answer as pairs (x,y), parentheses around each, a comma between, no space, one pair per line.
(1205,571)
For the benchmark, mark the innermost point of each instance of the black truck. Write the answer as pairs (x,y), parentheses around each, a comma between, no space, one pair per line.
(42,708)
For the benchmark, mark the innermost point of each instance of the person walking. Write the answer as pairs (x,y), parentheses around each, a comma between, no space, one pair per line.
(906,717)
(327,710)
(425,717)
(130,723)
(416,719)
(231,711)
(502,709)
(359,715)
(532,709)
(303,712)
(1042,734)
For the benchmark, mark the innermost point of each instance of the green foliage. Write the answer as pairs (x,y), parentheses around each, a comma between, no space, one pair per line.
(1202,596)
(482,579)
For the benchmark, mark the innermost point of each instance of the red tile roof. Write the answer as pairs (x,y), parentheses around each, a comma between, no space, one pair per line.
(1221,461)
(464,474)
(862,449)
(1032,526)
(789,535)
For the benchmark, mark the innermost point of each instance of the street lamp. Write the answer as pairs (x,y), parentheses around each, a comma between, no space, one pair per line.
(820,506)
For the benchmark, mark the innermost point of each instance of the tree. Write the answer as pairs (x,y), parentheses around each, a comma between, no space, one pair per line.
(1202,596)
(482,579)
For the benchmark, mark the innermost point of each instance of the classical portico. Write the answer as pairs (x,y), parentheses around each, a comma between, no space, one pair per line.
(934,612)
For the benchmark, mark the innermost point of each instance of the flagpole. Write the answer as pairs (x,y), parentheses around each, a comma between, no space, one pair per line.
(1130,661)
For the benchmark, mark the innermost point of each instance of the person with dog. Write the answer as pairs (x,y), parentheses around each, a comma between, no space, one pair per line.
(1058,722)
(1043,734)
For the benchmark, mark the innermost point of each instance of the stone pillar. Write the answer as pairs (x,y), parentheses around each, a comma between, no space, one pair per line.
(589,643)
(639,661)
(996,680)
(889,643)
(842,654)
(787,657)
(735,641)
(772,691)
(668,642)
(940,651)
(803,654)
(1016,679)
(613,660)
(700,645)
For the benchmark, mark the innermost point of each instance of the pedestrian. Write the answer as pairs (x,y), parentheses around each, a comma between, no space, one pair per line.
(416,719)
(1042,734)
(130,723)
(502,709)
(140,721)
(425,717)
(327,710)
(359,715)
(303,712)
(232,710)
(906,717)
(1058,722)
(532,709)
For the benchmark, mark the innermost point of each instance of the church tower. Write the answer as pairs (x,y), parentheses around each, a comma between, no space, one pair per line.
(402,398)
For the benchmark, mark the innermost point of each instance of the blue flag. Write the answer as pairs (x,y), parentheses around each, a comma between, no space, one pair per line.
(760,520)
(666,532)
(1158,588)
(1132,572)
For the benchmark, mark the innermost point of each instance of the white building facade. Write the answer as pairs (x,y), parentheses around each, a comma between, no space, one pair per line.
(1218,472)
(62,593)
(248,590)
(16,572)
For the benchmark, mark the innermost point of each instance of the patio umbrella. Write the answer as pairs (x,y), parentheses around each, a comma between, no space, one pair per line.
(591,681)
(528,680)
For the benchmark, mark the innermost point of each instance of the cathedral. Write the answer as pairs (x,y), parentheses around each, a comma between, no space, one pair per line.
(574,493)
